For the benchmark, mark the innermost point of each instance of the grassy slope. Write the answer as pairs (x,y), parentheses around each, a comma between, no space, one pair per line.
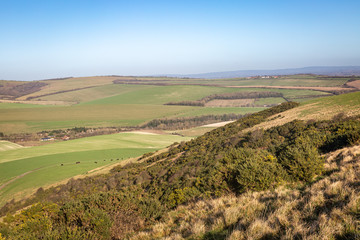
(45,160)
(322,210)
(321,108)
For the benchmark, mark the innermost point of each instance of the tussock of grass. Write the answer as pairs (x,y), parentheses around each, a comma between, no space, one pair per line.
(329,208)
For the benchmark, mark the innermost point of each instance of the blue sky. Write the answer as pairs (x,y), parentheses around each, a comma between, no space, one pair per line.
(59,38)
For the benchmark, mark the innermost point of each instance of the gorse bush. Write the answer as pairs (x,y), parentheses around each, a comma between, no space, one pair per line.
(302,160)
(254,169)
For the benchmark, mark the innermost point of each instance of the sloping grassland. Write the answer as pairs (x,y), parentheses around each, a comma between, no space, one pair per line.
(262,184)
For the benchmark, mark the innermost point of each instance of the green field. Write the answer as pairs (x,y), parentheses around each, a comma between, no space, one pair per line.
(334,104)
(120,105)
(42,165)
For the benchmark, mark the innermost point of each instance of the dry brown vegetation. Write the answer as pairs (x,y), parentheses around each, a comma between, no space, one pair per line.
(14,89)
(354,84)
(230,103)
(327,209)
(323,109)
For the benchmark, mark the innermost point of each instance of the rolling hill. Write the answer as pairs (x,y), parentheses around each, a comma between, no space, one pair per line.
(230,183)
(117,101)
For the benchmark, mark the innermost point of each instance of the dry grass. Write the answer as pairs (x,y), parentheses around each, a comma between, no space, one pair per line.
(320,109)
(327,209)
(355,84)
(230,103)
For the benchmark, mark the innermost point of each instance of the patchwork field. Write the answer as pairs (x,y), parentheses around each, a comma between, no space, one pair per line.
(124,107)
(25,169)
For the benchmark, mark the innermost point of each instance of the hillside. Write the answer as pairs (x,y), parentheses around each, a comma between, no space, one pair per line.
(326,209)
(286,160)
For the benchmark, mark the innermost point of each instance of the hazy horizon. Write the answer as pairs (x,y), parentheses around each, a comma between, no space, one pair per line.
(43,39)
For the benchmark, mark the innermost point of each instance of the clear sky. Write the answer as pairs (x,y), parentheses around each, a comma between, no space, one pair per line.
(60,38)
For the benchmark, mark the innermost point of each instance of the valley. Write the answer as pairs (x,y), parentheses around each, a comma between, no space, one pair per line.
(152,147)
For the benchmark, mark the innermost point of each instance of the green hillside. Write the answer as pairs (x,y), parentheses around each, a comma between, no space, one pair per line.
(225,162)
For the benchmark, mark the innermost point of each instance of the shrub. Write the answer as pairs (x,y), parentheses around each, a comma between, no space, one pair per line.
(302,160)
(254,169)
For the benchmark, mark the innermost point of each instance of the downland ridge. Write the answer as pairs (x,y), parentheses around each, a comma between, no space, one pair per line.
(226,184)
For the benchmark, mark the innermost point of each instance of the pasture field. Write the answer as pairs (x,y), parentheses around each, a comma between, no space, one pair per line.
(267,101)
(48,118)
(198,111)
(94,93)
(24,170)
(55,86)
(162,95)
(19,105)
(129,105)
(149,94)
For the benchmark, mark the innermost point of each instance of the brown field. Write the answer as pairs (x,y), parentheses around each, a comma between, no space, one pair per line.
(230,103)
(355,84)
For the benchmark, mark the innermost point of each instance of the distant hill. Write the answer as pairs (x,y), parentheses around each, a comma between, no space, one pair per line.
(333,71)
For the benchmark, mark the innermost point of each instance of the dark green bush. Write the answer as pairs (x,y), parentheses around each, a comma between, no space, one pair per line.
(302,160)
(254,169)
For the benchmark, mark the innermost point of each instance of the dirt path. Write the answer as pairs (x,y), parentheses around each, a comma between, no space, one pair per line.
(18,177)
(219,124)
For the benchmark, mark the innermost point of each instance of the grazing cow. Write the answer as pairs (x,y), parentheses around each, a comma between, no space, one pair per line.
(77,162)
(95,162)
(61,164)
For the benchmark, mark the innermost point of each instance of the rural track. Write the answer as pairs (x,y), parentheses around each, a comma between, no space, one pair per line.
(18,177)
